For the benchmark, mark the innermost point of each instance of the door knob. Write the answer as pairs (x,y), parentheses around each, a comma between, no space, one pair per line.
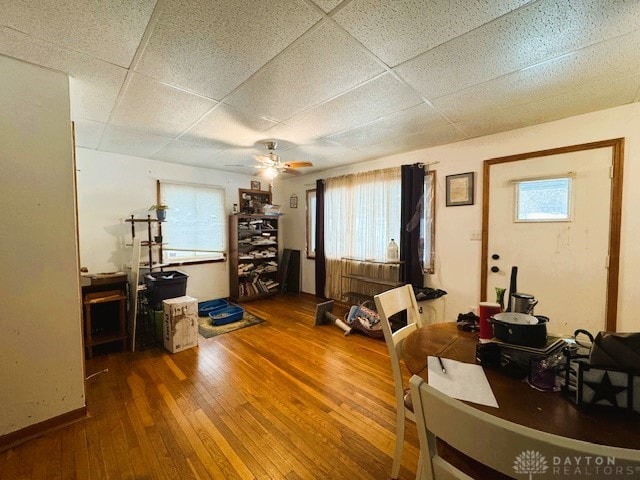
(495,269)
(495,256)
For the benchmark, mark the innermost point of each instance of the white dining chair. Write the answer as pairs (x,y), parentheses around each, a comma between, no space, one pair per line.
(387,304)
(504,446)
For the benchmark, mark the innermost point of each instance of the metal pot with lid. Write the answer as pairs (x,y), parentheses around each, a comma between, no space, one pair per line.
(523,303)
(520,328)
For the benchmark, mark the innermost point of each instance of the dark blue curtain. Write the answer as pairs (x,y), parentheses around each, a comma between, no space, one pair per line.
(411,210)
(321,268)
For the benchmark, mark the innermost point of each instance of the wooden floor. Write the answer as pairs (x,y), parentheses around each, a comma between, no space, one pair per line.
(281,400)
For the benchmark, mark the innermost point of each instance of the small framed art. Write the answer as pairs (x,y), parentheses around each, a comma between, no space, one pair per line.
(255,185)
(460,189)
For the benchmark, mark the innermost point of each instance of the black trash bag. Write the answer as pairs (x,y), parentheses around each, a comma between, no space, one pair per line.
(468,322)
(428,293)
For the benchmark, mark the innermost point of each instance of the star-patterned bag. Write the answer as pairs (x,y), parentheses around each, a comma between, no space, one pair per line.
(607,386)
(619,350)
(605,371)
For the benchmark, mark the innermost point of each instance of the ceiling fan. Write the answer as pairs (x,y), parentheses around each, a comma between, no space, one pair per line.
(272,166)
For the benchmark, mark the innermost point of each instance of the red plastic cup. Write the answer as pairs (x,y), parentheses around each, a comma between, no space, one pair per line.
(485,311)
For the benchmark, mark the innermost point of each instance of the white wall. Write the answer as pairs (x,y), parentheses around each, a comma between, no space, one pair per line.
(111,187)
(41,358)
(457,256)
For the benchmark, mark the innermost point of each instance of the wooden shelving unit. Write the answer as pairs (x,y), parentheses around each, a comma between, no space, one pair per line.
(253,256)
(104,315)
(252,201)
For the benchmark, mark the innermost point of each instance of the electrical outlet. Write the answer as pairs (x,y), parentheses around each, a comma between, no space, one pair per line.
(476,236)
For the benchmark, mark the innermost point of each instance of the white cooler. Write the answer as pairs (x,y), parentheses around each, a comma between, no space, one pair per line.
(180,326)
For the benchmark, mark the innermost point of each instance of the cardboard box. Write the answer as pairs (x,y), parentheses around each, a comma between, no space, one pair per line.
(180,325)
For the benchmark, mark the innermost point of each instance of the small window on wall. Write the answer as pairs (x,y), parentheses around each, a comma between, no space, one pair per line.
(543,200)
(311,224)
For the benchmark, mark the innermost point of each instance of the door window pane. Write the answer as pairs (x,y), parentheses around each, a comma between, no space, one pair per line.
(545,200)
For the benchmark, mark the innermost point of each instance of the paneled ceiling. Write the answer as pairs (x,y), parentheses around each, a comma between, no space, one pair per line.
(204,83)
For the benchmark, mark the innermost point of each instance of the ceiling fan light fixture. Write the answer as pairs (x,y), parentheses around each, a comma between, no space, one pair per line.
(271,172)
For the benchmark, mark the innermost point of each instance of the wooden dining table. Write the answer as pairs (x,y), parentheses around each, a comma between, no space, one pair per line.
(518,402)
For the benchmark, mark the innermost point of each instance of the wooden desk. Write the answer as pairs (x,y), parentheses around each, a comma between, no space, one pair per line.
(519,403)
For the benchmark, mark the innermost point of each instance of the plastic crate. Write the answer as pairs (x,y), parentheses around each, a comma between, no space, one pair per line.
(164,285)
(205,308)
(230,314)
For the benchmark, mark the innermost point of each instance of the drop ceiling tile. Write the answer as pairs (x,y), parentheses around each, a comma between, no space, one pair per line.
(595,65)
(225,125)
(370,101)
(320,65)
(187,153)
(538,32)
(107,29)
(589,98)
(288,136)
(416,141)
(122,140)
(88,133)
(399,30)
(315,152)
(488,122)
(212,47)
(238,160)
(94,84)
(586,99)
(148,105)
(327,5)
(413,120)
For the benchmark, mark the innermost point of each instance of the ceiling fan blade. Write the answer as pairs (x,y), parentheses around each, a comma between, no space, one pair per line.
(297,164)
(292,171)
(236,165)
(264,159)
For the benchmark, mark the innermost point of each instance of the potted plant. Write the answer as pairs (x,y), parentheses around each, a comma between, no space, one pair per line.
(161,211)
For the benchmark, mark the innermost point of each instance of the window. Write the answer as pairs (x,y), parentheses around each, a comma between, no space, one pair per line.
(362,214)
(543,200)
(195,229)
(311,223)
(427,228)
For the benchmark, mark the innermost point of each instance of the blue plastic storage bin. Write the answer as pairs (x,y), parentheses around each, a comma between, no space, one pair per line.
(230,314)
(205,308)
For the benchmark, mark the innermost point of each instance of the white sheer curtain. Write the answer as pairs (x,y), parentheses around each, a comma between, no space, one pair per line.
(362,215)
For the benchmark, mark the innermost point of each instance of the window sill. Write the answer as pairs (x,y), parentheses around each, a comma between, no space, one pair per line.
(179,263)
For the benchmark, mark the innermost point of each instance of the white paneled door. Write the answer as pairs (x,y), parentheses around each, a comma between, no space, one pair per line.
(561,250)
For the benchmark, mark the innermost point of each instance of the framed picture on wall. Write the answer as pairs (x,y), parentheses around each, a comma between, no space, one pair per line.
(460,189)
(255,185)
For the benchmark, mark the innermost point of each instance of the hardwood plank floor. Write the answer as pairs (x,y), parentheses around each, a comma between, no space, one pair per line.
(281,400)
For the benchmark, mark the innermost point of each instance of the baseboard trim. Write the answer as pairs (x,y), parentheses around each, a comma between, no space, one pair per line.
(38,429)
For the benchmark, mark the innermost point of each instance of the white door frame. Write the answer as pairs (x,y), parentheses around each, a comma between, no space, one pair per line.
(617,158)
